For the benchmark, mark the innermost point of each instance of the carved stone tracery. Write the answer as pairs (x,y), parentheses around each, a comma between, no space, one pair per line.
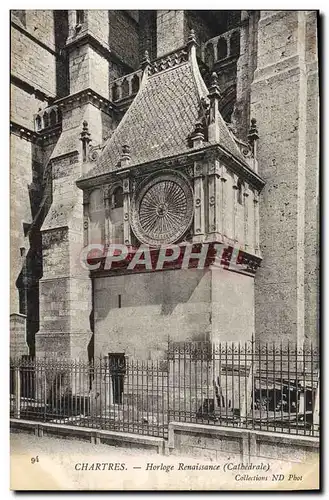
(162,209)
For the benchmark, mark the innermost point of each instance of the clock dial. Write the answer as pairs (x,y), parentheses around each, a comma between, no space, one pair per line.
(162,210)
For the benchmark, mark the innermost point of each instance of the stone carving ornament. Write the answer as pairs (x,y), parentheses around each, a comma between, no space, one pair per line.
(162,209)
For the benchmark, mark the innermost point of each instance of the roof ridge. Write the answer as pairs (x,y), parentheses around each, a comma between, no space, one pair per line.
(167,69)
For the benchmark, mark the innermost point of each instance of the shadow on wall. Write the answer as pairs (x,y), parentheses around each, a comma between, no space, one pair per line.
(181,289)
(165,288)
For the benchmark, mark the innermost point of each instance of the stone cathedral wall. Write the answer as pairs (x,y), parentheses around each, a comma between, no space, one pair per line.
(139,313)
(277,83)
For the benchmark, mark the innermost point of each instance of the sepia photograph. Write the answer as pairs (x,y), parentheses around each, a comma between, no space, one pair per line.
(164,250)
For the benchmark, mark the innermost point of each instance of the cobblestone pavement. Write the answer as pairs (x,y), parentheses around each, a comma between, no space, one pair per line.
(50,463)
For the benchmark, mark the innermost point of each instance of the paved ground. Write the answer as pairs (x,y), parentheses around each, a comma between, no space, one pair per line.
(49,463)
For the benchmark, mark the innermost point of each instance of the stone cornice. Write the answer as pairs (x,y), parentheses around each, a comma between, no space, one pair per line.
(32,136)
(245,263)
(86,96)
(23,132)
(87,37)
(205,153)
(225,64)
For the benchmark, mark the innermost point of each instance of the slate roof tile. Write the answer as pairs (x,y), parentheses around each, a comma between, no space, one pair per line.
(159,121)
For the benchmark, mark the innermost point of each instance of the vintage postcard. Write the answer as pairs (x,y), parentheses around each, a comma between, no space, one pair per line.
(164,323)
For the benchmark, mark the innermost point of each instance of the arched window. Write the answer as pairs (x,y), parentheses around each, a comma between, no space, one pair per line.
(53,117)
(115,92)
(117,197)
(235,44)
(125,88)
(239,193)
(96,217)
(116,215)
(80,16)
(135,84)
(38,123)
(45,120)
(222,48)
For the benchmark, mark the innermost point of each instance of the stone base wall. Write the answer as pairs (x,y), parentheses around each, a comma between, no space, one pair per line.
(216,443)
(137,314)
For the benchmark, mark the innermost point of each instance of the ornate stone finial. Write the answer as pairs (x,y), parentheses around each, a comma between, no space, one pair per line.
(214,79)
(198,127)
(204,114)
(125,156)
(191,45)
(146,61)
(253,132)
(197,136)
(253,136)
(214,90)
(85,139)
(191,37)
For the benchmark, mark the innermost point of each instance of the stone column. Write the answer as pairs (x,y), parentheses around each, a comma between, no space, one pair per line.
(256,222)
(65,288)
(107,207)
(214,201)
(85,218)
(246,66)
(199,202)
(281,101)
(234,211)
(126,211)
(223,179)
(246,197)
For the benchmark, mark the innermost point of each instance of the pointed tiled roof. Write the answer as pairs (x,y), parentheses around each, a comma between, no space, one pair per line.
(160,120)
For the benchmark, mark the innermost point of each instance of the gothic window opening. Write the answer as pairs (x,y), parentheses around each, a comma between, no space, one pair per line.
(235,44)
(45,120)
(239,192)
(53,118)
(38,123)
(117,198)
(80,17)
(135,84)
(125,88)
(96,217)
(222,49)
(115,92)
(116,215)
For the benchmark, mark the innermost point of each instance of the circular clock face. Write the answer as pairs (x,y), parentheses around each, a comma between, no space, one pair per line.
(162,209)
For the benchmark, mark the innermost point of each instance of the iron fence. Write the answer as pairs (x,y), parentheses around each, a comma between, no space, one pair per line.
(266,387)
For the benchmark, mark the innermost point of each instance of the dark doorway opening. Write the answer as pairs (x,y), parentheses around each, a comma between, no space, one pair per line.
(117,362)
